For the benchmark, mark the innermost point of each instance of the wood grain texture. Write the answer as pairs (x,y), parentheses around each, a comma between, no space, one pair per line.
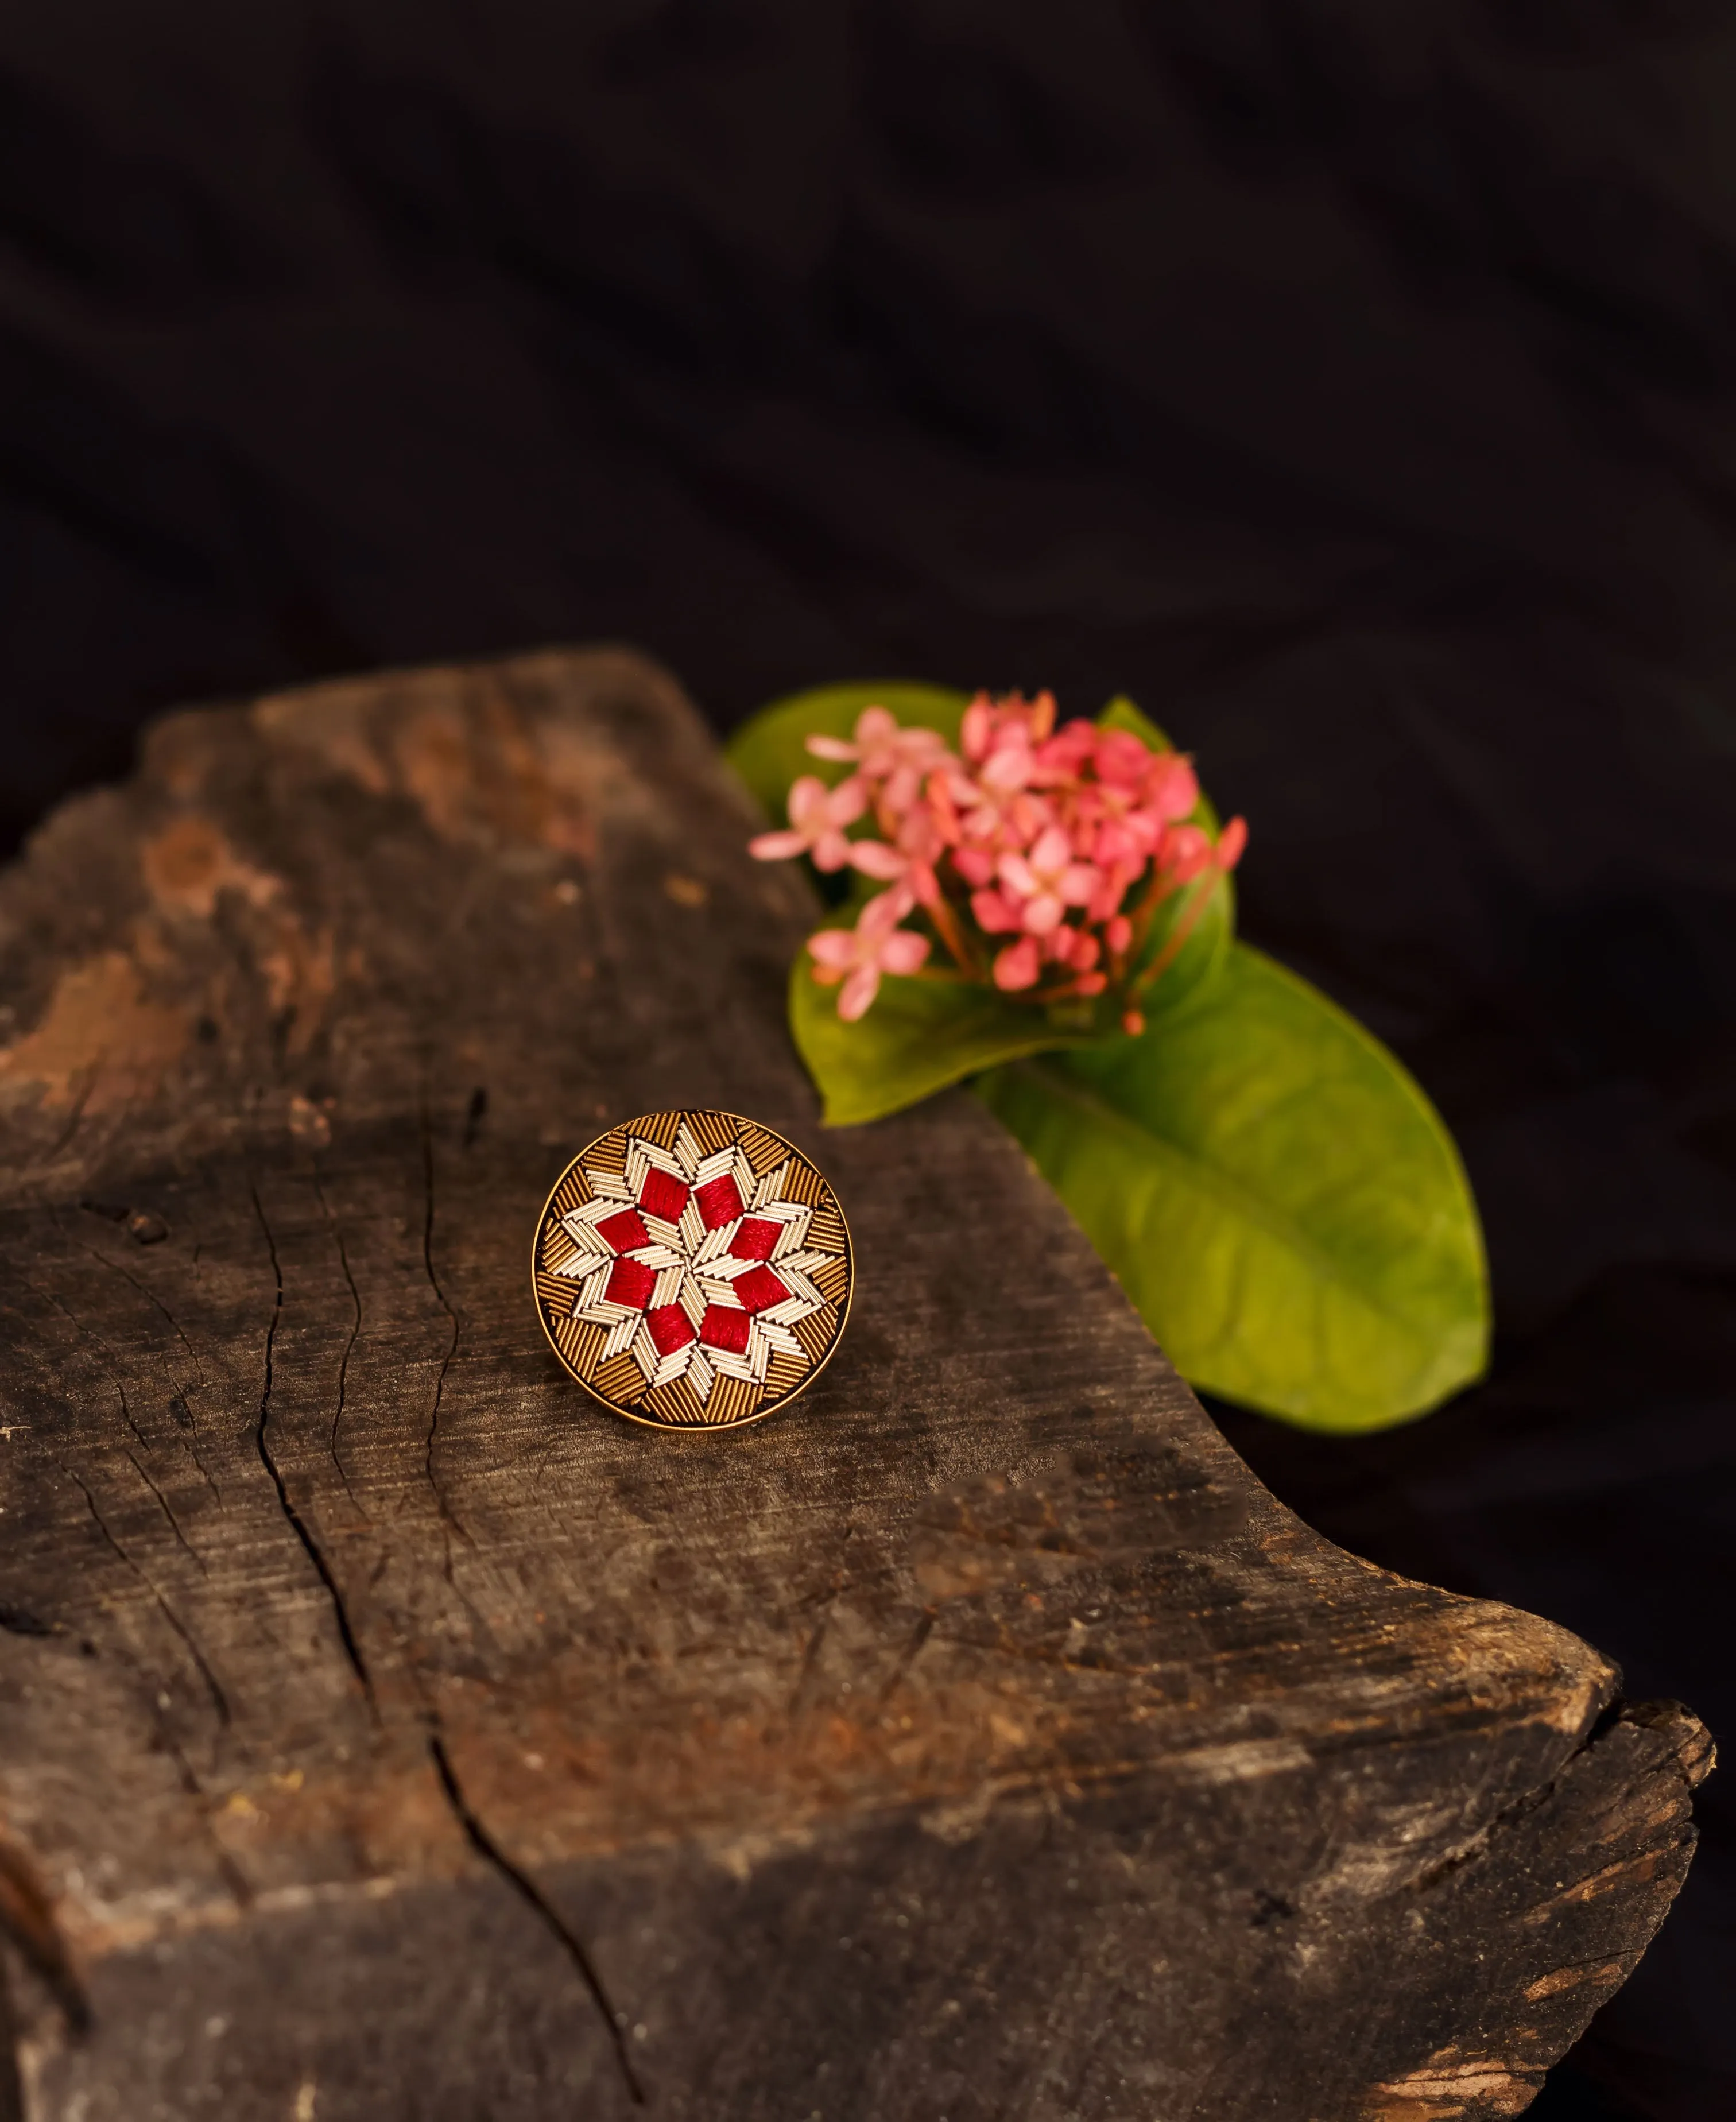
(391,1732)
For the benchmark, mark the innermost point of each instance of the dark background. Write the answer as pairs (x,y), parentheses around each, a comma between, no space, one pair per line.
(1351,381)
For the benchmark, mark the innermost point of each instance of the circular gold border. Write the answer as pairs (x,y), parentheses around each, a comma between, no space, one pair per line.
(766,1407)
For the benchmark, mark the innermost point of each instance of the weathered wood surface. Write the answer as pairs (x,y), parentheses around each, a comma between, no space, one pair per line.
(389,1731)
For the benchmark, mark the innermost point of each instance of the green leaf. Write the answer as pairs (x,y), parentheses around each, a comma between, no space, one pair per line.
(1276,1195)
(918,1036)
(768,750)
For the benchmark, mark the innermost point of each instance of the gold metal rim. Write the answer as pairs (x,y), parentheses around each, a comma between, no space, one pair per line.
(767,1407)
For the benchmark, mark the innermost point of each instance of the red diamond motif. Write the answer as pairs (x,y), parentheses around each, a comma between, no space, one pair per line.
(631,1283)
(724,1327)
(756,1238)
(663,1194)
(720,1201)
(671,1328)
(759,1289)
(624,1231)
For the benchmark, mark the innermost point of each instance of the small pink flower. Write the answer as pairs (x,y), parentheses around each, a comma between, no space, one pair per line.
(1063,756)
(858,956)
(1010,766)
(1122,760)
(1000,819)
(910,860)
(1131,838)
(818,817)
(1049,831)
(1019,965)
(977,729)
(989,724)
(886,753)
(1111,888)
(1171,790)
(1046,880)
(996,914)
(878,859)
(1186,854)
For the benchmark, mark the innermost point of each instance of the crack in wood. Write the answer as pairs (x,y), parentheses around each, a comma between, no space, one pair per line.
(219,1699)
(448,1515)
(20,1621)
(178,1400)
(475,1113)
(126,1416)
(149,1295)
(162,1503)
(181,1411)
(522,1884)
(89,1333)
(297,1524)
(343,1361)
(1510,1815)
(126,1410)
(233,1878)
(1486,1838)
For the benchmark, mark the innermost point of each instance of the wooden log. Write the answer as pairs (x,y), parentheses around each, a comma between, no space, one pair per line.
(389,1730)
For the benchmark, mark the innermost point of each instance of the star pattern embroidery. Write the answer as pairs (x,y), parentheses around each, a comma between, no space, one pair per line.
(692,1263)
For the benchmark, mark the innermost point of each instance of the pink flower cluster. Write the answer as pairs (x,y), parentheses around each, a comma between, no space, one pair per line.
(1037,856)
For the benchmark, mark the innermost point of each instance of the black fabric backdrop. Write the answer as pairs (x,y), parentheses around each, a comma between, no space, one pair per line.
(1351,381)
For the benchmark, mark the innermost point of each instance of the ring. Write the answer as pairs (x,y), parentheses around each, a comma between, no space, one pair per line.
(692,1270)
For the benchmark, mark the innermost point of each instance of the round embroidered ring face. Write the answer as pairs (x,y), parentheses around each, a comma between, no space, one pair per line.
(692,1270)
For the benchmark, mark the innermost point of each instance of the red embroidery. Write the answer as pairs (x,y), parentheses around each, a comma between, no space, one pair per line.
(671,1328)
(720,1201)
(724,1327)
(631,1283)
(663,1194)
(755,1239)
(759,1289)
(625,1231)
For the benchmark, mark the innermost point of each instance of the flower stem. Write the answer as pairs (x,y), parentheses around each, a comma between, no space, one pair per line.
(1161,887)
(1183,928)
(946,923)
